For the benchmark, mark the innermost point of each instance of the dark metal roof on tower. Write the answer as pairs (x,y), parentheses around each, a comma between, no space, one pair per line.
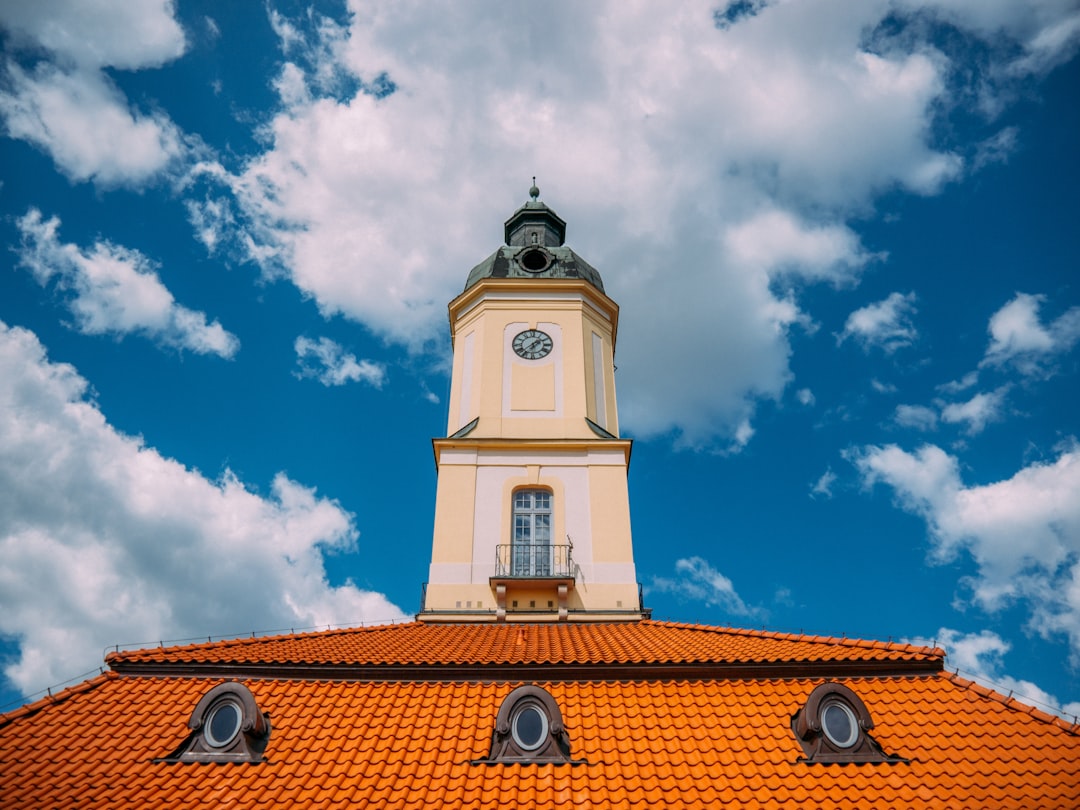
(534,248)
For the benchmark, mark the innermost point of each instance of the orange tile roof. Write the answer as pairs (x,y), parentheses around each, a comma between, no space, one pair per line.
(662,743)
(442,645)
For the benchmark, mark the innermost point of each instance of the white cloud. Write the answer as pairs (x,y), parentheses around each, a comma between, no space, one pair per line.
(805,396)
(918,417)
(326,361)
(212,218)
(699,581)
(886,324)
(646,125)
(1023,532)
(86,125)
(980,657)
(103,33)
(823,486)
(1044,33)
(114,290)
(70,108)
(995,149)
(104,541)
(978,411)
(956,386)
(777,242)
(363,182)
(1019,339)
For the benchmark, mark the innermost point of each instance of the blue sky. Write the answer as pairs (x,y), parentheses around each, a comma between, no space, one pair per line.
(842,234)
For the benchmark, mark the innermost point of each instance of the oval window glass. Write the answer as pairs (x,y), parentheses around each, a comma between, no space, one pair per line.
(839,724)
(223,724)
(530,728)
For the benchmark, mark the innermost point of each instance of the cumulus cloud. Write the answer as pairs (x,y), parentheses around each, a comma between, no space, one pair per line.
(973,415)
(326,361)
(70,108)
(981,657)
(394,151)
(86,125)
(1018,338)
(977,412)
(1022,532)
(697,580)
(104,541)
(1047,31)
(963,384)
(114,290)
(885,324)
(107,33)
(918,417)
(362,180)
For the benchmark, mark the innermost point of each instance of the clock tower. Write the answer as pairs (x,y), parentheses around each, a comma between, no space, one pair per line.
(532,512)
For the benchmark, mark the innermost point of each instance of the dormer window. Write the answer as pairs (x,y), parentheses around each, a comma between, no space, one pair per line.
(226,726)
(529,726)
(834,726)
(838,723)
(223,724)
(529,729)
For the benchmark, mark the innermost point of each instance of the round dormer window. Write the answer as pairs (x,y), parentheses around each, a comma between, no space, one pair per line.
(530,727)
(223,724)
(839,724)
(535,260)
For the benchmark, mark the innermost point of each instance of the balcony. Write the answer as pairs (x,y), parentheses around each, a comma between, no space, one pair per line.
(534,561)
(532,569)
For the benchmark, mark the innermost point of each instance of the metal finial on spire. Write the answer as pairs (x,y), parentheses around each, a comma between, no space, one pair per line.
(534,192)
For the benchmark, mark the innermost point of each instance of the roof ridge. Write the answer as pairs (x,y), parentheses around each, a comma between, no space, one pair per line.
(1014,703)
(275,636)
(52,699)
(843,641)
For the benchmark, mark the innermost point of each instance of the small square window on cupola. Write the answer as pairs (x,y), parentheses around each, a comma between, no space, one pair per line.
(226,726)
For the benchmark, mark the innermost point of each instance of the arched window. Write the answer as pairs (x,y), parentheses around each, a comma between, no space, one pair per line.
(531,550)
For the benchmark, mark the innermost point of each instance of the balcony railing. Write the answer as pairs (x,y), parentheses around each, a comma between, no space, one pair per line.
(533,560)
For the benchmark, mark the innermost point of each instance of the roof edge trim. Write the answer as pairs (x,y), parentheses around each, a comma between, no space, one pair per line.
(533,671)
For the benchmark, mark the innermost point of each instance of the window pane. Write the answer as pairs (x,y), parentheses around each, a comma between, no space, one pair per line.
(839,724)
(542,529)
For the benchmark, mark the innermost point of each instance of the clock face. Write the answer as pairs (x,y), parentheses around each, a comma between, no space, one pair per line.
(532,344)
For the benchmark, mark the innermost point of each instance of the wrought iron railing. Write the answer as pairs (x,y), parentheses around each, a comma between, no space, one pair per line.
(533,560)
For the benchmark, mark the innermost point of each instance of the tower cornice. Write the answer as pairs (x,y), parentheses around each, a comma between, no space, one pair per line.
(515,290)
(523,446)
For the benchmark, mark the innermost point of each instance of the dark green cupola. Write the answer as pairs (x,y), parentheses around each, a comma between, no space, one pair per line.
(534,248)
